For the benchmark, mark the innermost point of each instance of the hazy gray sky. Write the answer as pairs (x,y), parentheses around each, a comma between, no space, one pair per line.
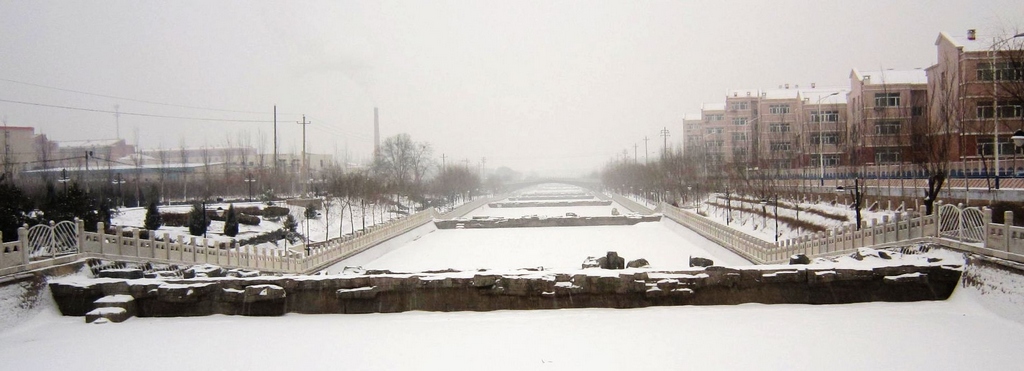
(554,87)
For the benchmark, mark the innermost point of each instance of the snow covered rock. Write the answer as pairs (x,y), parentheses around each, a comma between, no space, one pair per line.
(257,293)
(638,263)
(613,261)
(358,293)
(109,314)
(799,259)
(125,273)
(696,261)
(592,262)
(204,270)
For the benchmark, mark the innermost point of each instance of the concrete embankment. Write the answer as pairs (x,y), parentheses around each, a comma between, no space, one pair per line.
(520,290)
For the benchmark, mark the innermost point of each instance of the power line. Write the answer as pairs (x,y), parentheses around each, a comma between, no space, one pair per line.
(129,99)
(132,113)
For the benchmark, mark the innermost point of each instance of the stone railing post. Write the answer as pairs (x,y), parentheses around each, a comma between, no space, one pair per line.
(986,218)
(1007,230)
(23,244)
(120,246)
(100,231)
(80,234)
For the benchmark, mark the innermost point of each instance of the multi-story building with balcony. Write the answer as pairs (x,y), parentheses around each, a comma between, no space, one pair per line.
(824,131)
(712,137)
(886,109)
(976,91)
(740,119)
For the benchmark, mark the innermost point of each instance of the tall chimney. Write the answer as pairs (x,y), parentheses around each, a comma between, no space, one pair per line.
(376,134)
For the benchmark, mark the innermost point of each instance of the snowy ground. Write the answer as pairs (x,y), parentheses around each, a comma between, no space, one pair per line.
(551,247)
(317,228)
(956,334)
(764,227)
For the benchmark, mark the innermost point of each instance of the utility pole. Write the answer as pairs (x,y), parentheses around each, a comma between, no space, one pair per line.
(664,147)
(117,120)
(86,175)
(442,162)
(483,164)
(634,152)
(645,149)
(305,168)
(275,138)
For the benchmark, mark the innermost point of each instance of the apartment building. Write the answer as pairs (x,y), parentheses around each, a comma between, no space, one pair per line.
(886,110)
(741,123)
(776,124)
(711,138)
(691,127)
(824,128)
(976,89)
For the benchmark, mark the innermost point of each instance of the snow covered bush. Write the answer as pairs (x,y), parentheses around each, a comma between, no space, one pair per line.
(153,220)
(231,222)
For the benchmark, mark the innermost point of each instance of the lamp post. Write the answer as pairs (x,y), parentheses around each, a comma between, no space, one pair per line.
(205,223)
(764,213)
(119,180)
(249,180)
(1018,141)
(995,103)
(689,192)
(821,141)
(64,180)
(776,217)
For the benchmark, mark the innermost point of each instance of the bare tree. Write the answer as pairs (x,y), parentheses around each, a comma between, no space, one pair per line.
(403,163)
(934,143)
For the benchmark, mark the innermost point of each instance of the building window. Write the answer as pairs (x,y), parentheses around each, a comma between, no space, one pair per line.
(825,116)
(1006,147)
(739,121)
(1004,71)
(985,110)
(887,155)
(829,138)
(778,108)
(739,151)
(887,128)
(887,99)
(739,105)
(780,164)
(713,130)
(781,146)
(830,160)
(917,111)
(715,145)
(779,127)
(739,137)
(715,117)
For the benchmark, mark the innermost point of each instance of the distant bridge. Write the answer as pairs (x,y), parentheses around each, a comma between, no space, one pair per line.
(588,183)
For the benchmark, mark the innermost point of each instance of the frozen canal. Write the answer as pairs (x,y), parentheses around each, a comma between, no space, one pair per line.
(977,328)
(665,244)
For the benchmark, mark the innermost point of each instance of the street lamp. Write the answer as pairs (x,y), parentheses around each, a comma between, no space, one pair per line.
(64,180)
(1018,141)
(995,103)
(249,180)
(821,141)
(764,213)
(119,180)
(689,192)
